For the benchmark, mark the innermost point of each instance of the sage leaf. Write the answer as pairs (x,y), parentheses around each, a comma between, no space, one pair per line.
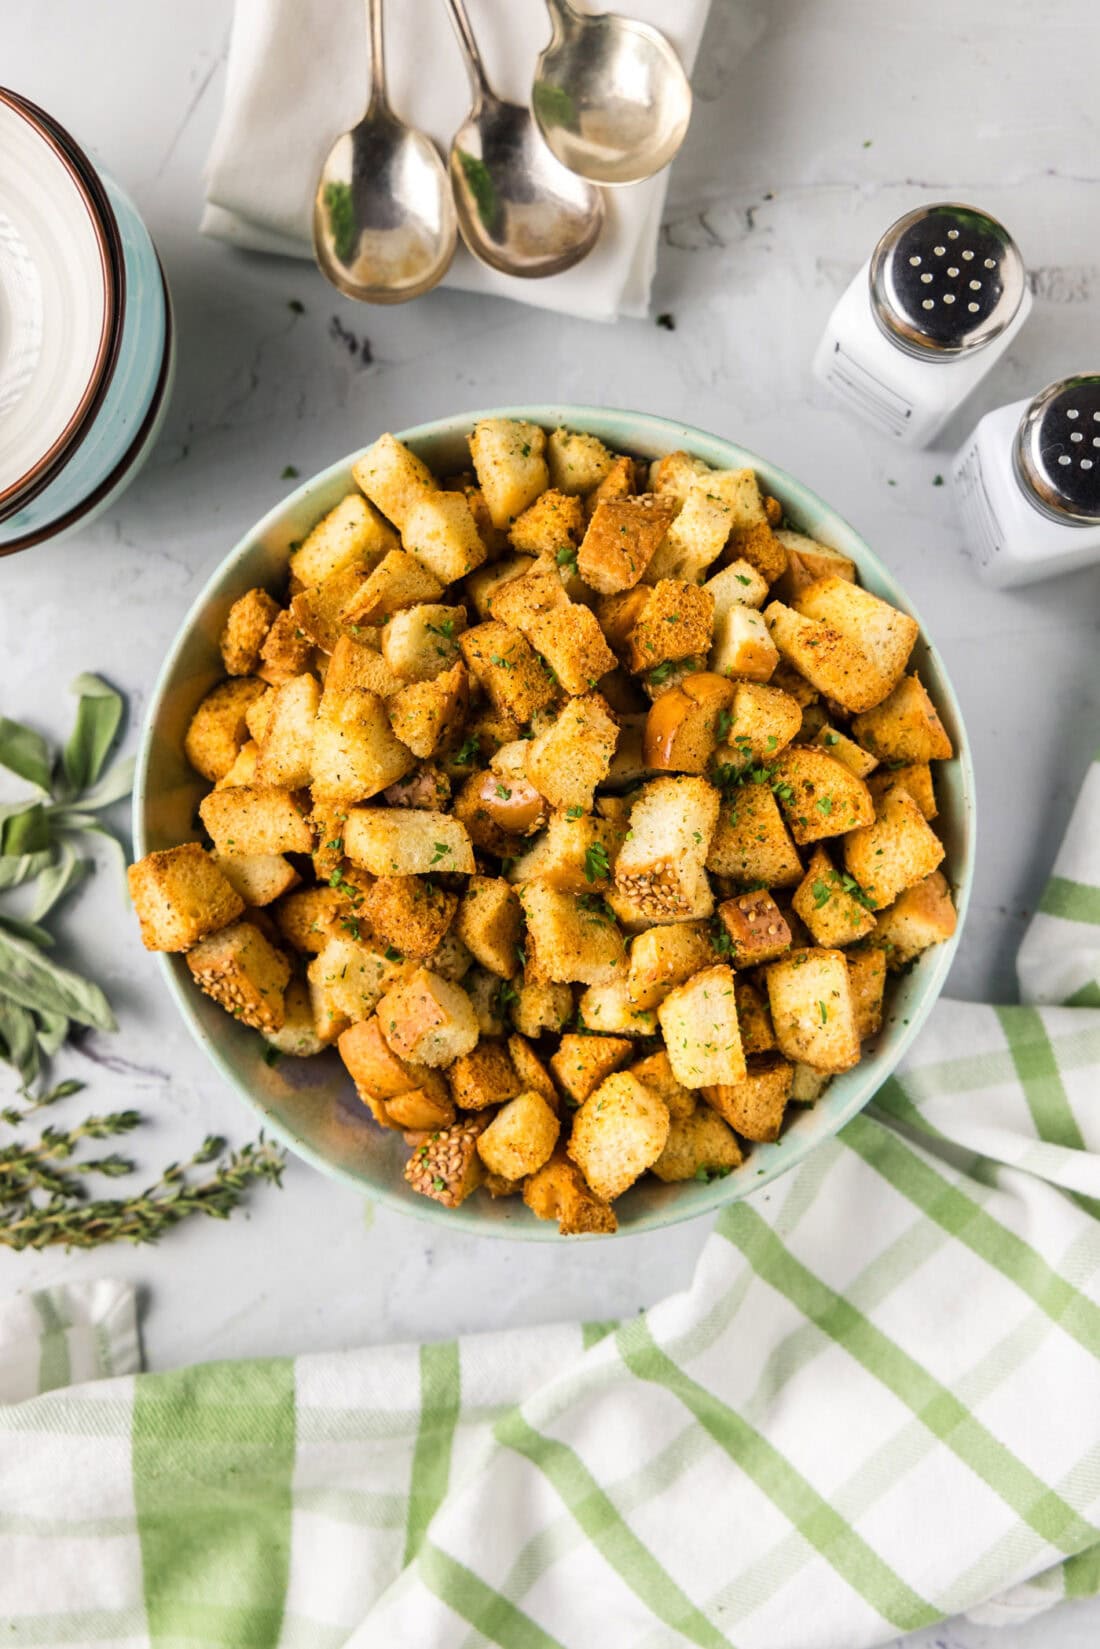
(17,868)
(27,831)
(97,720)
(53,1029)
(33,981)
(30,931)
(55,881)
(116,784)
(25,752)
(19,1038)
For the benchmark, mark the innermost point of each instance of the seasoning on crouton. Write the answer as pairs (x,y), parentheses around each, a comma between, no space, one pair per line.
(737,585)
(754,1106)
(810,995)
(538,1006)
(508,669)
(623,480)
(399,580)
(915,777)
(427,716)
(846,750)
(608,1008)
(676,621)
(180,895)
(753,1018)
(307,916)
(571,937)
(894,852)
(572,643)
(243,973)
(250,618)
(347,978)
(490,923)
(218,728)
(428,1019)
(535,589)
(621,539)
(742,646)
(296,1036)
(578,461)
(286,749)
(699,1146)
(406,841)
(750,842)
(867,977)
(446,1167)
(558,1191)
(829,660)
(255,818)
(318,611)
(905,726)
(671,825)
(880,631)
(259,878)
(575,854)
(618,1133)
(520,1138)
(923,915)
(484,1077)
(532,1072)
(356,663)
(510,466)
(807,560)
(351,537)
(573,755)
(380,1075)
(762,721)
(355,752)
(664,957)
(409,913)
(582,1062)
(555,521)
(819,795)
(696,537)
(440,531)
(655,1072)
(420,643)
(831,905)
(699,1023)
(755,928)
(393,478)
(286,650)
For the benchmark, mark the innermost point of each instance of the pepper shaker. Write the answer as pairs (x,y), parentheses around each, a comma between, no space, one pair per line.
(937,304)
(1027,483)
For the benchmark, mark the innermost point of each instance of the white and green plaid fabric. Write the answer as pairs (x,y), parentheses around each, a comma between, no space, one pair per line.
(877,1404)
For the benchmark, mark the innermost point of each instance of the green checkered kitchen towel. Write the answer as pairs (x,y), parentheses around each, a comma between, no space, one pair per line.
(878,1403)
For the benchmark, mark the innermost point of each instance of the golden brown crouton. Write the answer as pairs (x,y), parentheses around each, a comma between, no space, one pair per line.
(259,878)
(578,461)
(905,726)
(554,522)
(520,1138)
(406,841)
(484,1077)
(242,972)
(759,546)
(250,618)
(753,1018)
(621,481)
(379,1074)
(508,670)
(582,1062)
(531,1071)
(573,755)
(428,1019)
(347,978)
(896,851)
(296,1036)
(305,918)
(481,587)
(427,716)
(521,599)
(255,818)
(286,749)
(662,858)
(664,957)
(355,751)
(676,621)
(810,995)
(607,1008)
(180,896)
(440,530)
(558,1192)
(655,1072)
(750,842)
(915,777)
(742,646)
(409,914)
(880,631)
(218,728)
(572,644)
(867,977)
(831,905)
(318,610)
(419,1109)
(575,854)
(924,915)
(286,650)
(699,1022)
(819,796)
(830,661)
(846,750)
(536,1007)
(621,540)
(763,721)
(511,469)
(351,536)
(618,1133)
(393,478)
(490,922)
(399,580)
(684,726)
(754,1106)
(807,560)
(699,1146)
(571,938)
(446,1167)
(754,927)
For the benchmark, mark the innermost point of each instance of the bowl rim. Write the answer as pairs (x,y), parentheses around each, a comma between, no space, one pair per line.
(720,1193)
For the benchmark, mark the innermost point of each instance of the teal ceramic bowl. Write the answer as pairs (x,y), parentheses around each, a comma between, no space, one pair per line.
(310,1104)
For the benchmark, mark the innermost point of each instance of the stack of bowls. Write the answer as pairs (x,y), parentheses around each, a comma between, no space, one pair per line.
(86,346)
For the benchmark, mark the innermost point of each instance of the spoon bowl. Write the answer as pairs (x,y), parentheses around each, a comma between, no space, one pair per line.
(384,226)
(610,96)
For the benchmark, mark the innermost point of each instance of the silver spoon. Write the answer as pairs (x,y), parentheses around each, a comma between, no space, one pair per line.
(518,210)
(610,96)
(383,216)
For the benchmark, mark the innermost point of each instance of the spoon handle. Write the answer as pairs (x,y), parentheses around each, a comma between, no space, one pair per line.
(479,80)
(378,98)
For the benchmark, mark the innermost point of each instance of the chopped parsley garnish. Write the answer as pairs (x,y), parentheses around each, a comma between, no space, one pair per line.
(596,866)
(440,850)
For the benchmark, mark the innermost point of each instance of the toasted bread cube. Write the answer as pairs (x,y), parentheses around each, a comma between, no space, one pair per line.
(621,540)
(571,641)
(406,841)
(558,1192)
(484,1077)
(355,752)
(409,914)
(296,1037)
(813,1013)
(379,1074)
(754,1106)
(808,1085)
(535,590)
(351,536)
(256,713)
(751,843)
(676,473)
(399,580)
(520,1138)
(676,622)
(318,610)
(531,1071)
(490,922)
(570,938)
(286,749)
(621,481)
(905,726)
(244,769)
(661,860)
(286,650)
(484,990)
(924,915)
(259,878)
(440,531)
(218,728)
(655,1072)
(578,462)
(699,1022)
(696,537)
(428,1019)
(508,669)
(743,646)
(685,725)
(753,1017)
(539,1006)
(664,957)
(393,478)
(306,917)
(820,796)
(608,1010)
(180,896)
(511,469)
(446,1167)
(880,631)
(250,618)
(699,1146)
(582,1062)
(758,546)
(418,1109)
(243,973)
(575,854)
(830,661)
(428,716)
(255,818)
(737,585)
(807,560)
(829,905)
(915,777)
(618,614)
(635,914)
(348,977)
(483,585)
(763,721)
(451,960)
(356,664)
(618,1133)
(552,523)
(755,928)
(846,750)
(867,977)
(571,757)
(894,852)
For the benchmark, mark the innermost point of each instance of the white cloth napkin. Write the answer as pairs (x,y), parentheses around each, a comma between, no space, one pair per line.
(297,77)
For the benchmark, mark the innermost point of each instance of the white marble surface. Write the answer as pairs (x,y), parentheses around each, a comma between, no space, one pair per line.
(818,122)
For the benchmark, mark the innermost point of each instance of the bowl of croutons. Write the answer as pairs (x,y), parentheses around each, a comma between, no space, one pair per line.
(553,821)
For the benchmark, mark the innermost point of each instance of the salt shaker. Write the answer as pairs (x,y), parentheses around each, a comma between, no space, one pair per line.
(939,301)
(1027,482)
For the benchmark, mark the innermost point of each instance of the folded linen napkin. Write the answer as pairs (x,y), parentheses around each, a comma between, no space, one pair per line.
(877,1404)
(297,77)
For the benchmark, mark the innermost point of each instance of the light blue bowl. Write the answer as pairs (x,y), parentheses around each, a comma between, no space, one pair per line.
(310,1104)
